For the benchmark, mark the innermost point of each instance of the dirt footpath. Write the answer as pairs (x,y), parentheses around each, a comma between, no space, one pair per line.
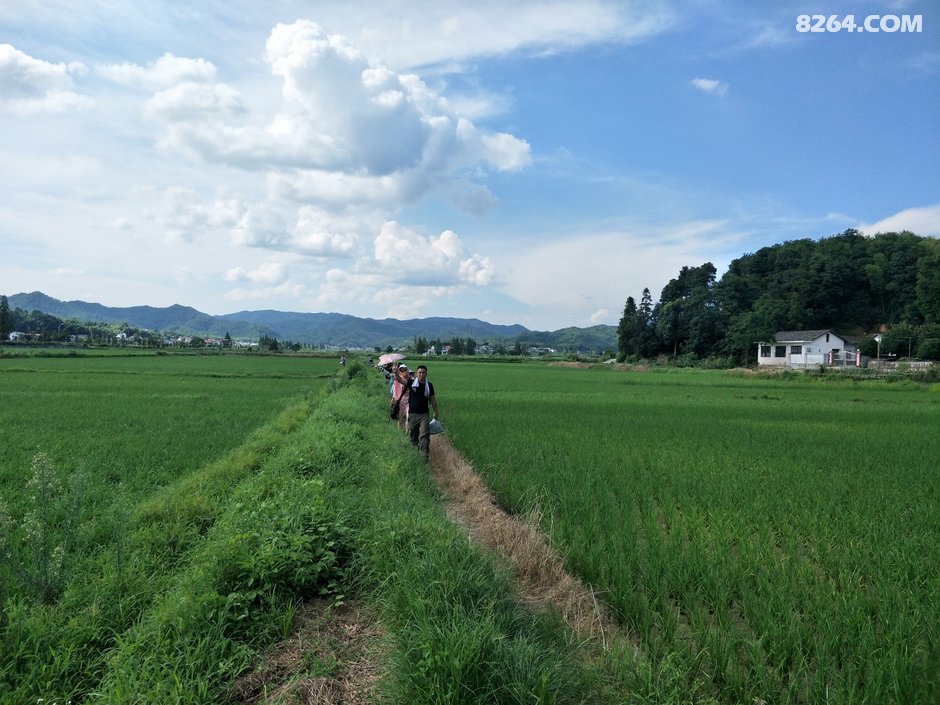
(541,578)
(345,644)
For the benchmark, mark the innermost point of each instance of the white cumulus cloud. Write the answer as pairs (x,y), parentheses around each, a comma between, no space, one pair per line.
(920,221)
(358,116)
(415,259)
(261,227)
(505,152)
(346,130)
(165,72)
(321,234)
(187,101)
(185,215)
(711,85)
(269,273)
(29,85)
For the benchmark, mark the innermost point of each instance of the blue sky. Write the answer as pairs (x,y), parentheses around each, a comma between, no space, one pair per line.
(531,162)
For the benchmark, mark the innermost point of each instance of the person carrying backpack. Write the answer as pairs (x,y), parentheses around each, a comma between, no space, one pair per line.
(421,400)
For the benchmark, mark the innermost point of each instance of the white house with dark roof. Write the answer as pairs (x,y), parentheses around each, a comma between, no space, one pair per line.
(807,348)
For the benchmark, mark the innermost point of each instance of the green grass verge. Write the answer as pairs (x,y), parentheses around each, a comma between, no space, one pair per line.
(208,571)
(459,634)
(58,651)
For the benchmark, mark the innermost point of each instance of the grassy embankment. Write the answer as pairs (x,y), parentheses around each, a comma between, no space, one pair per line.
(766,540)
(167,591)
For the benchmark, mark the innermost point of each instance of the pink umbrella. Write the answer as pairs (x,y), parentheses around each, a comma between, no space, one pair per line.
(388,358)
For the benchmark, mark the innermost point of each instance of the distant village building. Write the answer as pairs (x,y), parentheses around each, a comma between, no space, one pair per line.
(799,349)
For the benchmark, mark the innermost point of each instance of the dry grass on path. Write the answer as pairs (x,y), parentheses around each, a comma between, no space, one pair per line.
(332,656)
(541,578)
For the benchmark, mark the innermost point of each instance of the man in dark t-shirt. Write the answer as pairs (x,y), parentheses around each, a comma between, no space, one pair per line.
(420,400)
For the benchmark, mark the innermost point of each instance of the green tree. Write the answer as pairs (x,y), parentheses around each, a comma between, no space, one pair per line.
(5,324)
(926,337)
(268,343)
(646,342)
(470,347)
(893,296)
(899,341)
(868,346)
(929,349)
(830,291)
(636,335)
(744,332)
(627,329)
(688,318)
(669,325)
(927,287)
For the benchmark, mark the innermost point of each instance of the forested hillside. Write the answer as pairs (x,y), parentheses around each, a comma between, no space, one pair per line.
(849,283)
(46,319)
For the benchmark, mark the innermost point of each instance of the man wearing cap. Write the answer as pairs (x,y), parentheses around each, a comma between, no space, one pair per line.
(420,398)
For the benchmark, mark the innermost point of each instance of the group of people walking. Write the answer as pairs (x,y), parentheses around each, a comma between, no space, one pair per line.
(415,397)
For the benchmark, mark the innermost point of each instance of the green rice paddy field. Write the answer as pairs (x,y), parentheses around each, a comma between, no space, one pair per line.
(112,471)
(764,540)
(140,420)
(125,426)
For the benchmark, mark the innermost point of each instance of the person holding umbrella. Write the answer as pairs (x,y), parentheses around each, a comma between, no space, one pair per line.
(389,364)
(389,358)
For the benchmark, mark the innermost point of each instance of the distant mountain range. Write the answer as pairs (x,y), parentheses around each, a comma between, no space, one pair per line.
(330,329)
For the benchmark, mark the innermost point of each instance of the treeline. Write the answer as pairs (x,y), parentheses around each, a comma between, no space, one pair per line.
(468,346)
(266,342)
(46,328)
(456,346)
(39,327)
(848,283)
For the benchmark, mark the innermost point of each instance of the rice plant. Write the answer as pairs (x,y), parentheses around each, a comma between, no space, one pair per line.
(767,540)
